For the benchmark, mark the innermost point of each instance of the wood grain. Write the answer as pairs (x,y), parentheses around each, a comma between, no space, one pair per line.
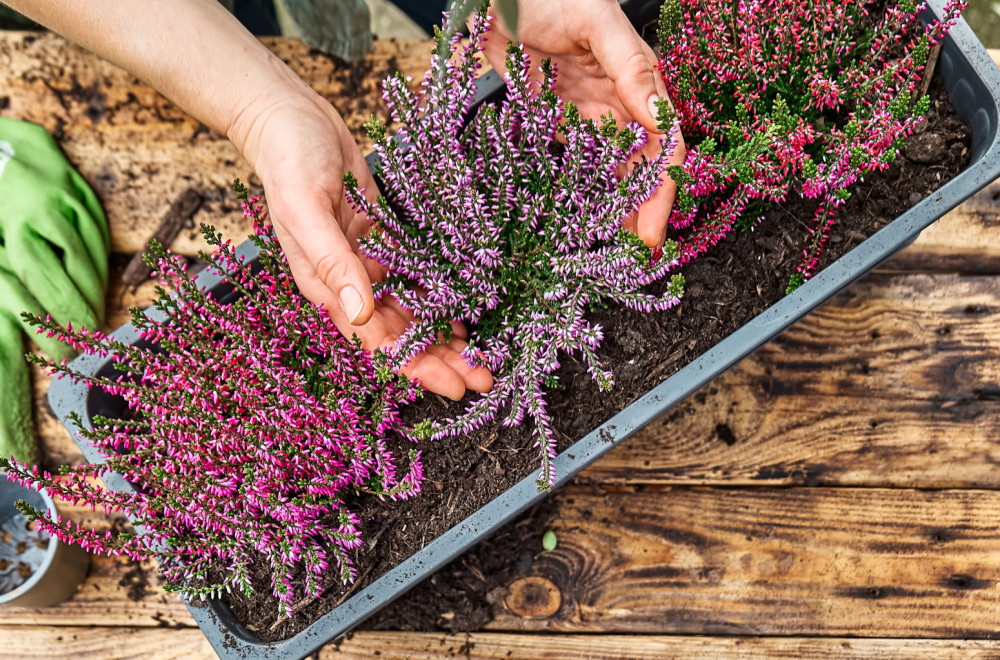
(506,646)
(103,643)
(103,599)
(179,215)
(963,241)
(894,382)
(799,561)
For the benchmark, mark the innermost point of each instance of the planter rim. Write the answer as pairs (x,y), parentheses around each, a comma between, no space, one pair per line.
(977,104)
(50,551)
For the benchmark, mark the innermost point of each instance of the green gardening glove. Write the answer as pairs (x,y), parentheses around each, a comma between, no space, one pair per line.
(16,438)
(52,226)
(54,246)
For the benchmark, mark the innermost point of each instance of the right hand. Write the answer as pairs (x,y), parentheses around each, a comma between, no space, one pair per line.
(300,147)
(603,65)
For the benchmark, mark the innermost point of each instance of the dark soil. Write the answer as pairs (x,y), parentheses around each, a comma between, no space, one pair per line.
(725,290)
(135,580)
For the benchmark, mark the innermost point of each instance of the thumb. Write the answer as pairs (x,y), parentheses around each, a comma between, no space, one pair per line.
(326,268)
(631,65)
(342,272)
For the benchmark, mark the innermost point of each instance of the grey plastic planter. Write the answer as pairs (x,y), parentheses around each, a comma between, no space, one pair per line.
(972,81)
(56,569)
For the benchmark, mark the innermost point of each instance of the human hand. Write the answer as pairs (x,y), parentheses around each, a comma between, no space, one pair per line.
(602,64)
(300,147)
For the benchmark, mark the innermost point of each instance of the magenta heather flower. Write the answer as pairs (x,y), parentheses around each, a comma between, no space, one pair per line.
(509,220)
(250,424)
(788,97)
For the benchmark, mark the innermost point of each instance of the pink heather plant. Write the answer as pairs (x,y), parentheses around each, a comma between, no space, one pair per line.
(510,221)
(250,425)
(788,97)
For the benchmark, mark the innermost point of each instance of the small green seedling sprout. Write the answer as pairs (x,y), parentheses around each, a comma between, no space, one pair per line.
(549,541)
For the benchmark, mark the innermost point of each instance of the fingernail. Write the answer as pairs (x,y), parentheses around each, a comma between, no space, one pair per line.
(351,302)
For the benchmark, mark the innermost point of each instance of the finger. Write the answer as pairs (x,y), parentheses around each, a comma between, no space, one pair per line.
(435,375)
(323,246)
(449,354)
(356,224)
(437,371)
(478,379)
(651,221)
(629,63)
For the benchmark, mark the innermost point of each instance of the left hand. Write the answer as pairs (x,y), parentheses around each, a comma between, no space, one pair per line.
(602,64)
(300,147)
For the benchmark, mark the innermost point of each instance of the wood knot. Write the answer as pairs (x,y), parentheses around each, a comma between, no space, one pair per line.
(533,598)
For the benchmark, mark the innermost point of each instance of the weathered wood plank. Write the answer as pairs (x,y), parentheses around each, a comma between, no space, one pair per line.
(894,382)
(103,600)
(102,643)
(800,561)
(753,561)
(963,241)
(30,642)
(504,646)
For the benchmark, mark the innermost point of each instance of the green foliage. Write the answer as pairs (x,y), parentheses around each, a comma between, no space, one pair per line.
(794,282)
(670,20)
(375,128)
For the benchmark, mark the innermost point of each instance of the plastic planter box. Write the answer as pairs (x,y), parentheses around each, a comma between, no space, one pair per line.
(972,81)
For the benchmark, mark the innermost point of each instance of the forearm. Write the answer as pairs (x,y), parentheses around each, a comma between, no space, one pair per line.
(192,51)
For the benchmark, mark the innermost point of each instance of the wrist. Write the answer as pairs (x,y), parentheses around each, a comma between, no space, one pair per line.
(267,96)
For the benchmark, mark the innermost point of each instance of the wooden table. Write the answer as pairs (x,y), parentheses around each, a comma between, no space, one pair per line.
(836,494)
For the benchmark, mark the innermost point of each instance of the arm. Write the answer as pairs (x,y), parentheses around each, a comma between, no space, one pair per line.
(199,56)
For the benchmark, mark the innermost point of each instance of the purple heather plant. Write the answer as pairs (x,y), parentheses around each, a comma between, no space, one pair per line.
(249,426)
(788,97)
(509,220)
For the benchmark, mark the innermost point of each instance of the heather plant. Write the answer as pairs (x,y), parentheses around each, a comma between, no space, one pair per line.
(250,425)
(788,97)
(509,220)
